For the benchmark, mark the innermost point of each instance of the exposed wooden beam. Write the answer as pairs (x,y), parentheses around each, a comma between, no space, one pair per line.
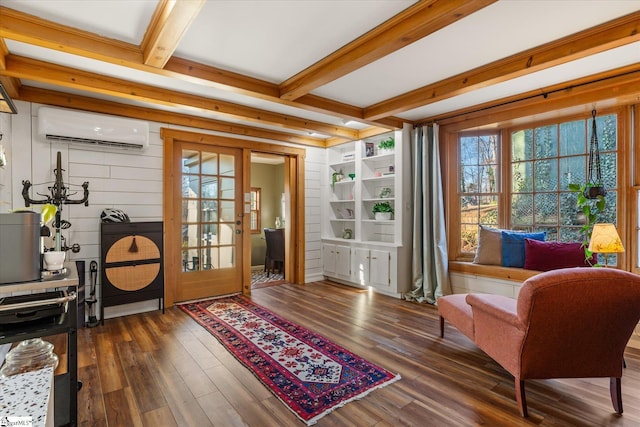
(68,77)
(11,85)
(4,51)
(195,72)
(233,82)
(417,21)
(60,99)
(345,111)
(30,29)
(621,85)
(169,24)
(364,133)
(612,34)
(372,131)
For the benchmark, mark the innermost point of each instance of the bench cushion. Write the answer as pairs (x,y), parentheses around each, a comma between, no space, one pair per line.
(455,310)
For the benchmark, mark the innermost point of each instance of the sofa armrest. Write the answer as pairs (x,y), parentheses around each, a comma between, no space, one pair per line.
(498,306)
(497,329)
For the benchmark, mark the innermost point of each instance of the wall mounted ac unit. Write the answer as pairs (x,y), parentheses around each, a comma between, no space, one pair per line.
(91,129)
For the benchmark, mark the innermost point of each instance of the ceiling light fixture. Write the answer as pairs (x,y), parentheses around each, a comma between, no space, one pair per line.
(6,104)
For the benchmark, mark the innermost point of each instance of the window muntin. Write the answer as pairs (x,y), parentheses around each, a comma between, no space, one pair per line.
(208,210)
(479,185)
(544,161)
(254,218)
(541,162)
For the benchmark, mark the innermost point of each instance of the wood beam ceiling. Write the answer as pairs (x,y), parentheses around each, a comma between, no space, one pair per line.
(169,23)
(32,30)
(40,71)
(421,19)
(603,37)
(65,100)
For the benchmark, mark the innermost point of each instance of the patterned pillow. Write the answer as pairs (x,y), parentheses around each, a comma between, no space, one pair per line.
(513,247)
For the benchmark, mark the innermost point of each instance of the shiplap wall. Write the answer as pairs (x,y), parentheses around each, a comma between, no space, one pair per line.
(126,180)
(315,163)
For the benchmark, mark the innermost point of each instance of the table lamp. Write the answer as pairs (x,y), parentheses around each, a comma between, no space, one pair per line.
(605,240)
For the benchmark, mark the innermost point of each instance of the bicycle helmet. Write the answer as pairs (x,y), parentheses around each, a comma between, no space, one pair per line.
(114,215)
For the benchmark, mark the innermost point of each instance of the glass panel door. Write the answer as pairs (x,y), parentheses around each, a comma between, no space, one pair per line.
(211,221)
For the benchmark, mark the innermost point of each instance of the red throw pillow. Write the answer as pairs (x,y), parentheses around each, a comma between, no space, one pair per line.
(545,256)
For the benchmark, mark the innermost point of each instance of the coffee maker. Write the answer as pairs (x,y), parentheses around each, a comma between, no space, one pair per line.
(19,247)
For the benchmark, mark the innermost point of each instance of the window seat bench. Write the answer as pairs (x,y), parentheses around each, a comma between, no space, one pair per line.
(466,277)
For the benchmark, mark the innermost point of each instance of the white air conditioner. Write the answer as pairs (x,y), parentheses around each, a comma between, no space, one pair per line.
(91,129)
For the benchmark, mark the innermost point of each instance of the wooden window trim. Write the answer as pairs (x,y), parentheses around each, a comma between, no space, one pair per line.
(626,215)
(258,209)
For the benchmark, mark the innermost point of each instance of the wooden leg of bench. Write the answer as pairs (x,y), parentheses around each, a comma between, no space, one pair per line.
(441,327)
(521,397)
(615,388)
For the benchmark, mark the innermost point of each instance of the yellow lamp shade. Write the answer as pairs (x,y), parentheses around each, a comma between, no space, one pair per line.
(605,240)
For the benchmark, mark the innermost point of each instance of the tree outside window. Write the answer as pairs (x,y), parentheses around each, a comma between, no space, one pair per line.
(479,184)
(542,161)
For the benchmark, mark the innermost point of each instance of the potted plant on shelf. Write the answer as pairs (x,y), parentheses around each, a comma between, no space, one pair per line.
(382,211)
(386,145)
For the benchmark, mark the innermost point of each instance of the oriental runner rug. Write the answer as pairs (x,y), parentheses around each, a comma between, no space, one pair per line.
(311,375)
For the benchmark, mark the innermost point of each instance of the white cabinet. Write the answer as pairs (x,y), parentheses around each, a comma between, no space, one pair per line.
(336,260)
(358,176)
(373,267)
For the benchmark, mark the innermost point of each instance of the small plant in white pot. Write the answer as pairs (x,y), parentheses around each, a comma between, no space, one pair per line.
(386,146)
(382,211)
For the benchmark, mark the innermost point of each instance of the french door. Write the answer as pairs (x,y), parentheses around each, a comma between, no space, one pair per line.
(210,217)
(206,200)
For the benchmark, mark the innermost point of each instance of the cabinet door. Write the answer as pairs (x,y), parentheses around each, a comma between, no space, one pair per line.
(360,266)
(379,262)
(329,259)
(343,261)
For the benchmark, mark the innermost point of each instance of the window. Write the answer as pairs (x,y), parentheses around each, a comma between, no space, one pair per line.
(539,163)
(544,160)
(479,186)
(254,217)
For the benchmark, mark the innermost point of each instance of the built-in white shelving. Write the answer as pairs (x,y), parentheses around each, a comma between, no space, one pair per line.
(359,175)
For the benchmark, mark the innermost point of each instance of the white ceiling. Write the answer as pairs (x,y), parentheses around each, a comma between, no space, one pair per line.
(275,40)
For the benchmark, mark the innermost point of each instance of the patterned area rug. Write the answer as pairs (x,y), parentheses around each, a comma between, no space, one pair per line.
(259,279)
(311,375)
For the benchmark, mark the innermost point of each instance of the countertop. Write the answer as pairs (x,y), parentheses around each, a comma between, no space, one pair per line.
(40,285)
(28,395)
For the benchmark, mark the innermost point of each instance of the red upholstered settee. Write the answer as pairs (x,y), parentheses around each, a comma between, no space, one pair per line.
(567,323)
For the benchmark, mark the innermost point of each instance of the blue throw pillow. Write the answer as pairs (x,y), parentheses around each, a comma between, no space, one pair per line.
(513,247)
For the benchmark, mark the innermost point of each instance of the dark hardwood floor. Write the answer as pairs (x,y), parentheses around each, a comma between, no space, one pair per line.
(165,370)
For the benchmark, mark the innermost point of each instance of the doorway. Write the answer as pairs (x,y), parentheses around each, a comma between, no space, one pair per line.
(207,212)
(269,211)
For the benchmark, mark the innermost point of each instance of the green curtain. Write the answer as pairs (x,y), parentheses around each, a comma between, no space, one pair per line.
(430,274)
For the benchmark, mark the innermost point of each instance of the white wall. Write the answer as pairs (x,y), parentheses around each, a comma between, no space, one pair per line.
(315,163)
(125,180)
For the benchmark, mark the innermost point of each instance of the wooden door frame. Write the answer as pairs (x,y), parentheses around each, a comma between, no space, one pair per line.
(294,186)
